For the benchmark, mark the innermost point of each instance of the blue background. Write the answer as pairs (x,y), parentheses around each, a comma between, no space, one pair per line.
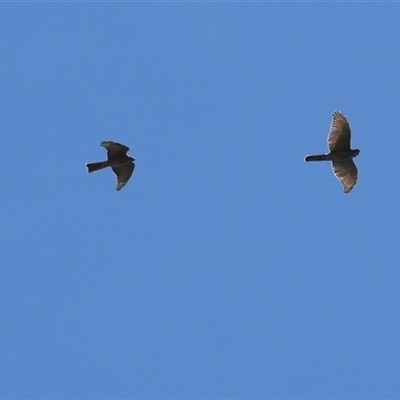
(227,267)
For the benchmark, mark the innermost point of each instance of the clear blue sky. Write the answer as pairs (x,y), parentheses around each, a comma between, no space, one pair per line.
(227,267)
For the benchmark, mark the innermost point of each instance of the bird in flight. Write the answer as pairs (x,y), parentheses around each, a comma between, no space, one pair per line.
(122,164)
(340,152)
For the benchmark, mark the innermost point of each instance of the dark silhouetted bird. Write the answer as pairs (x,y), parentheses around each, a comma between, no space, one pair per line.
(122,164)
(340,152)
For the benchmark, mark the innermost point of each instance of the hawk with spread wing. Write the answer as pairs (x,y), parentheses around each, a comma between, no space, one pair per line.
(340,152)
(122,164)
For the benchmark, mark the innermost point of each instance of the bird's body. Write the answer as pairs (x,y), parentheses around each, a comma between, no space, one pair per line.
(340,152)
(336,156)
(122,164)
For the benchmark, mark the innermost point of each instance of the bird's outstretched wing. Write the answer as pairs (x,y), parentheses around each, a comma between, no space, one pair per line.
(339,135)
(346,172)
(114,149)
(123,172)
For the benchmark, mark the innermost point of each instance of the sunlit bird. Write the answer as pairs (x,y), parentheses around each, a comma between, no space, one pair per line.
(340,152)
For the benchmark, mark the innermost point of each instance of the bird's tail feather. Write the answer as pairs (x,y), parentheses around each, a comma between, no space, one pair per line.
(96,166)
(320,157)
